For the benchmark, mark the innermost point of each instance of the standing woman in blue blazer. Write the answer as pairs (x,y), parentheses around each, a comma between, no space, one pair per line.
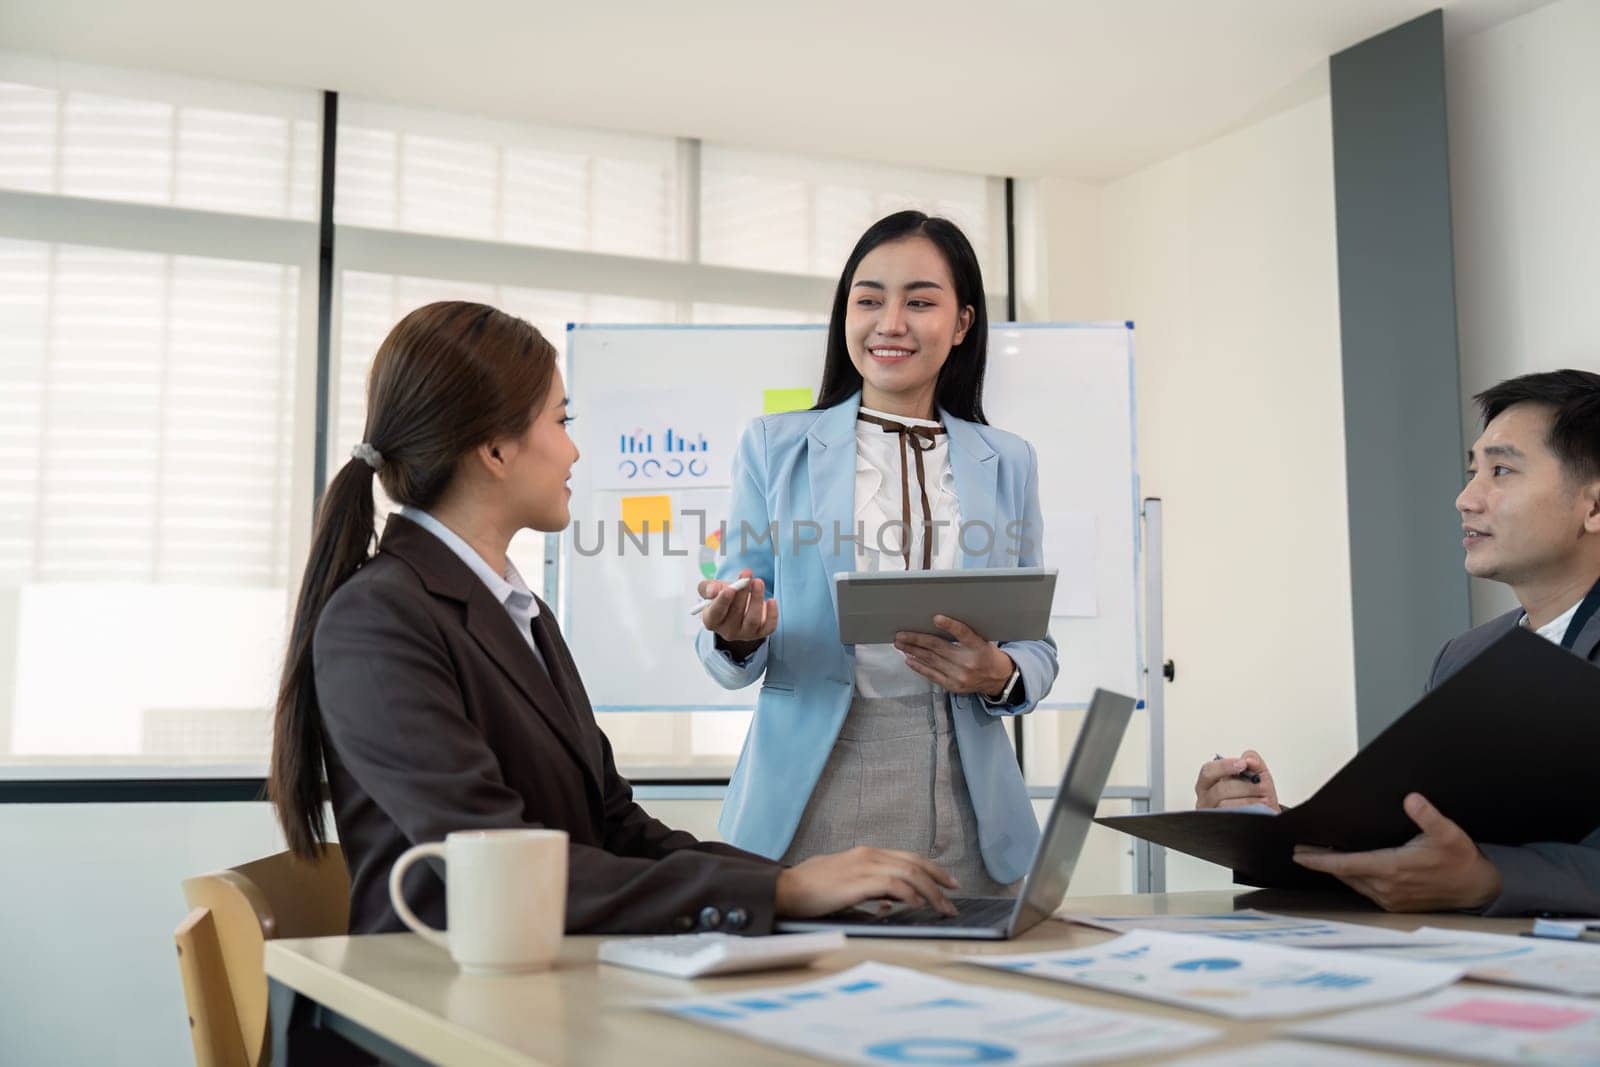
(901,746)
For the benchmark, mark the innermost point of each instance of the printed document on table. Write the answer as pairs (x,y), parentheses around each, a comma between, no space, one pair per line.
(1492,1025)
(1239,979)
(1290,1054)
(875,1014)
(1521,961)
(1251,925)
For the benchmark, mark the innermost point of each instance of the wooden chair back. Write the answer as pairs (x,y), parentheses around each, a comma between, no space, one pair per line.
(221,942)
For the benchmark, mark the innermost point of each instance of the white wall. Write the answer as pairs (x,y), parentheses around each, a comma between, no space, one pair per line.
(1225,258)
(88,904)
(1524,172)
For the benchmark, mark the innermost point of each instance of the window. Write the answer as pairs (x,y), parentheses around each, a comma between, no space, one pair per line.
(158,396)
(80,131)
(147,416)
(773,211)
(146,472)
(427,172)
(149,413)
(370,304)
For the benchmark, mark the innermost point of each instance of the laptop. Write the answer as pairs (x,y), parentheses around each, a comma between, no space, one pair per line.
(1002,918)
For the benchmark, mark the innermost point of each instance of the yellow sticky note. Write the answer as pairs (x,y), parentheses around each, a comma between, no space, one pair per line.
(638,510)
(774,401)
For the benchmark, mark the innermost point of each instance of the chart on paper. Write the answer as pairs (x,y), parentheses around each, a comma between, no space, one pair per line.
(1251,925)
(875,1014)
(1495,1025)
(1241,980)
(1520,961)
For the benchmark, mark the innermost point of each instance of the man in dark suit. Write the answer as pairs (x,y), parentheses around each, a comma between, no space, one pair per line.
(1530,516)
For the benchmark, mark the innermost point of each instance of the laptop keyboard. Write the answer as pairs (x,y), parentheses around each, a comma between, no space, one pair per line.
(970,911)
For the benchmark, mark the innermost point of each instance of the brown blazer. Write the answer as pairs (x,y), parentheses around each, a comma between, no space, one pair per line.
(438,717)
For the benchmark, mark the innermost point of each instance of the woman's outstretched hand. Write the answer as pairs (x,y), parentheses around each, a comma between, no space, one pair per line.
(741,617)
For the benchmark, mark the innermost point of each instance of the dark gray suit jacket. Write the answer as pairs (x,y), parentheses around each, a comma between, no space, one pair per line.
(439,717)
(1545,876)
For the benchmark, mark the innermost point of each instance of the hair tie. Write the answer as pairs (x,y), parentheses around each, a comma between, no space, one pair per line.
(368,455)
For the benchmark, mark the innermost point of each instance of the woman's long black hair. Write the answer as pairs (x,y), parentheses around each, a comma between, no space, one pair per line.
(960,386)
(448,377)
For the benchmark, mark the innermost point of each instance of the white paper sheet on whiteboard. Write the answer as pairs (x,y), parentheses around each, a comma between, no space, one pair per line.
(655,439)
(1071,546)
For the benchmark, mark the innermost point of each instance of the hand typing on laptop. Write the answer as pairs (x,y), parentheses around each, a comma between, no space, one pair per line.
(825,884)
(877,907)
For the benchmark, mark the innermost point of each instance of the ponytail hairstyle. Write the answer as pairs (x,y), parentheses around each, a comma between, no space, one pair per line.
(959,389)
(449,377)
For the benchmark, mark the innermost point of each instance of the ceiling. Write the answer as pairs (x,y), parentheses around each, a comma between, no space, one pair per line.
(1089,89)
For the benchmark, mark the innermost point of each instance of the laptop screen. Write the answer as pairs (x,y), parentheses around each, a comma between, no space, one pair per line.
(1073,813)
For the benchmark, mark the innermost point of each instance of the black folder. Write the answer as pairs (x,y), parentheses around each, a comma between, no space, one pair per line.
(1508,747)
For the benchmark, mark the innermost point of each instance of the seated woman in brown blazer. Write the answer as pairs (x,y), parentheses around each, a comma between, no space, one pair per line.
(437,689)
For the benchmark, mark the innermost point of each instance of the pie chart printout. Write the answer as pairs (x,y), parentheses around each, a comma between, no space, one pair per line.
(1239,979)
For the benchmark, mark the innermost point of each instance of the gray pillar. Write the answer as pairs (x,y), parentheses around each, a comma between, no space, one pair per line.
(1402,406)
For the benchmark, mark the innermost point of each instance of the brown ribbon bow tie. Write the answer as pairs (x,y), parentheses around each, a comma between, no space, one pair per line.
(919,439)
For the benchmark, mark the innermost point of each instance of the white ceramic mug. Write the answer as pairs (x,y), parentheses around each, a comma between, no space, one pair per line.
(505,898)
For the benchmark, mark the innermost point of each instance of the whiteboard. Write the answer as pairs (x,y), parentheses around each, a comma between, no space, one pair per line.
(624,599)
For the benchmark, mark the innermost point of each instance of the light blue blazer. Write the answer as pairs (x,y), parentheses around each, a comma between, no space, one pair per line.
(800,467)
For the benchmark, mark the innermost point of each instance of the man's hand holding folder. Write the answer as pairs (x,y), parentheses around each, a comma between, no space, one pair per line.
(1441,869)
(1375,824)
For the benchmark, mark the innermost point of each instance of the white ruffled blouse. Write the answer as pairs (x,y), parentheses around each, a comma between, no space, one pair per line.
(881,670)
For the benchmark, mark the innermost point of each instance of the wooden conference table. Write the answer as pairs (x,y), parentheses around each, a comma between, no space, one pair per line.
(402,999)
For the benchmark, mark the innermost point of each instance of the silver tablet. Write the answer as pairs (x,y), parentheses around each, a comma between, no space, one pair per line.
(1001,603)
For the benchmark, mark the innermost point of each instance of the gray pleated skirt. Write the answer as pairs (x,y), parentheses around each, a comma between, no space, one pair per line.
(894,780)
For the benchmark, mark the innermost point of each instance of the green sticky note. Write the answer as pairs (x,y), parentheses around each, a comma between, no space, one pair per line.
(774,401)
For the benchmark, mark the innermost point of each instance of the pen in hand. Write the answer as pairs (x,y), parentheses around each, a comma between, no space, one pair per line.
(1249,776)
(735,585)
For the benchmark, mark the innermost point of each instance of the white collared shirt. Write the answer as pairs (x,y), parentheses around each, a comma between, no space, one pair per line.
(1556,629)
(508,589)
(881,670)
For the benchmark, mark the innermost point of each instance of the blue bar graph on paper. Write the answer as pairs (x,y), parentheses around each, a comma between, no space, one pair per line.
(676,442)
